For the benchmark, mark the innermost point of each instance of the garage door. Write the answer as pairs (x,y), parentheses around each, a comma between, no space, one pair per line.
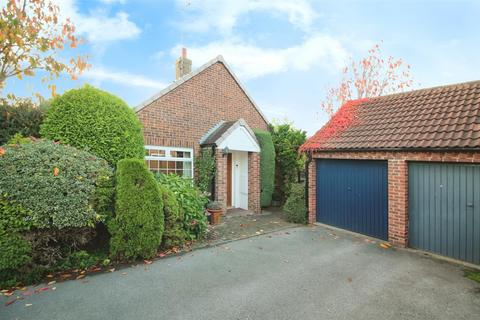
(353,195)
(444,209)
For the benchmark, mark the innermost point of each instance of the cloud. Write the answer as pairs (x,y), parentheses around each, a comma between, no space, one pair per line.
(251,61)
(98,26)
(222,15)
(99,74)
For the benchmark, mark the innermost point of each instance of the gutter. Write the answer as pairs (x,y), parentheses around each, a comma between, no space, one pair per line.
(473,149)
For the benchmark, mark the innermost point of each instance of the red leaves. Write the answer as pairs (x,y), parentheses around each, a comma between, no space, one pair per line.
(343,118)
(2,151)
(56,171)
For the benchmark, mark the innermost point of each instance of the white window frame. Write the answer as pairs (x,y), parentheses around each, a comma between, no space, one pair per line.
(168,156)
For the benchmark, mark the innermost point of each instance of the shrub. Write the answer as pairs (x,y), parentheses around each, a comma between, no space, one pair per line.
(174,234)
(295,208)
(83,260)
(59,185)
(288,162)
(267,166)
(205,165)
(137,227)
(21,116)
(190,200)
(96,121)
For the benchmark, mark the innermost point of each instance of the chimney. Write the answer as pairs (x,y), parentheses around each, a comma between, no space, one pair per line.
(183,65)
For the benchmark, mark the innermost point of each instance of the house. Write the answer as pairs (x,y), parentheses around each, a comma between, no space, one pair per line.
(403,168)
(206,108)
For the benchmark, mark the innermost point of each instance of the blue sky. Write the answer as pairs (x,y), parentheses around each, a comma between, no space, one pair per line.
(285,52)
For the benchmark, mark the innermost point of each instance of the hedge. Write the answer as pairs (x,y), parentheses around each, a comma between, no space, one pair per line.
(267,166)
(94,120)
(138,225)
(60,185)
(174,234)
(295,208)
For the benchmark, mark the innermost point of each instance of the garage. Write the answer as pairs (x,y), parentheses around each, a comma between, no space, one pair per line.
(444,209)
(353,195)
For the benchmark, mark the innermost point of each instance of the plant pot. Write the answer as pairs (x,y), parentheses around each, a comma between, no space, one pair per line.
(215,216)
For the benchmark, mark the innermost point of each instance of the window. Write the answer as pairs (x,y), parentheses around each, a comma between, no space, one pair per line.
(170,160)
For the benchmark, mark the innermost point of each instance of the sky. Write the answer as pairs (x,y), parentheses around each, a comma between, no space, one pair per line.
(285,52)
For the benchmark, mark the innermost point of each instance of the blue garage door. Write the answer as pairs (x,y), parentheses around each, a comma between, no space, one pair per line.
(353,195)
(444,209)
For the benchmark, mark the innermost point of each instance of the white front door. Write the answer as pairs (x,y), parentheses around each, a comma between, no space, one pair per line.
(240,179)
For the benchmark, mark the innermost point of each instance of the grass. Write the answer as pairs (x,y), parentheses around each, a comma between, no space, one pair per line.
(473,275)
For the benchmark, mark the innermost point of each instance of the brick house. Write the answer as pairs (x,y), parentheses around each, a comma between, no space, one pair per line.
(206,108)
(404,168)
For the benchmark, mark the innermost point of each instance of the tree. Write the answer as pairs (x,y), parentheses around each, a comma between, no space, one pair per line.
(31,35)
(288,162)
(369,77)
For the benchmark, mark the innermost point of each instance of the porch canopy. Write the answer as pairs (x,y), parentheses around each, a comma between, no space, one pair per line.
(232,136)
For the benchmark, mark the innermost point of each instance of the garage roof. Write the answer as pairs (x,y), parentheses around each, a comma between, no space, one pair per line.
(446,117)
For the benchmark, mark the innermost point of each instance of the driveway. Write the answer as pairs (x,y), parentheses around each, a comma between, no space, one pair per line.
(298,273)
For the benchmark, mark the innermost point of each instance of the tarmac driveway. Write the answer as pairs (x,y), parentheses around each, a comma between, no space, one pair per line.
(298,273)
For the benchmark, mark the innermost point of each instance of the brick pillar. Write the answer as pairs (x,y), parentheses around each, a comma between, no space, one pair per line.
(254,182)
(398,202)
(312,192)
(220,177)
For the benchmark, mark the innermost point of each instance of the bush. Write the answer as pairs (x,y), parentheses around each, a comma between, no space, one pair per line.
(295,208)
(174,234)
(22,117)
(83,260)
(137,227)
(59,185)
(205,165)
(191,201)
(267,166)
(96,121)
(288,162)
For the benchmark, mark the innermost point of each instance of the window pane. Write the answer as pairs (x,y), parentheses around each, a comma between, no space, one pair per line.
(163,164)
(156,153)
(186,154)
(154,165)
(171,165)
(187,173)
(179,165)
(187,165)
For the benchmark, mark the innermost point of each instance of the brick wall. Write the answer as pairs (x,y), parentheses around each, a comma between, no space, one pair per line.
(221,177)
(254,182)
(397,182)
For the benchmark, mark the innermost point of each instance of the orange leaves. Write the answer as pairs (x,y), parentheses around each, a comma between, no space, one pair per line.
(2,152)
(56,171)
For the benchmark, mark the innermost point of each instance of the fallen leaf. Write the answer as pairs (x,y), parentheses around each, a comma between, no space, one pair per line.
(385,245)
(287,232)
(8,293)
(261,230)
(148,261)
(80,277)
(29,293)
(9,302)
(96,269)
(82,272)
(28,304)
(51,282)
(161,255)
(124,273)
(22,288)
(42,289)
(49,275)
(349,279)
(111,270)
(257,232)
(54,288)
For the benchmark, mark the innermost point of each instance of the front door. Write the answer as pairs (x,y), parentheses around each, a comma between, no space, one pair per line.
(240,179)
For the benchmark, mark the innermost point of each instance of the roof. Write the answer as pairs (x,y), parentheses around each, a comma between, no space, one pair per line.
(446,117)
(185,78)
(222,130)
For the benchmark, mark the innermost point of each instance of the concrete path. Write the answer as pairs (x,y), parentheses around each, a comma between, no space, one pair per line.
(299,273)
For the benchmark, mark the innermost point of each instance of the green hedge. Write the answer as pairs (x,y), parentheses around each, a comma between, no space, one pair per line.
(94,120)
(61,186)
(174,234)
(267,166)
(138,225)
(295,209)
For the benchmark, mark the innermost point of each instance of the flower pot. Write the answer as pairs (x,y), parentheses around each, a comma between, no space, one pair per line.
(215,216)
